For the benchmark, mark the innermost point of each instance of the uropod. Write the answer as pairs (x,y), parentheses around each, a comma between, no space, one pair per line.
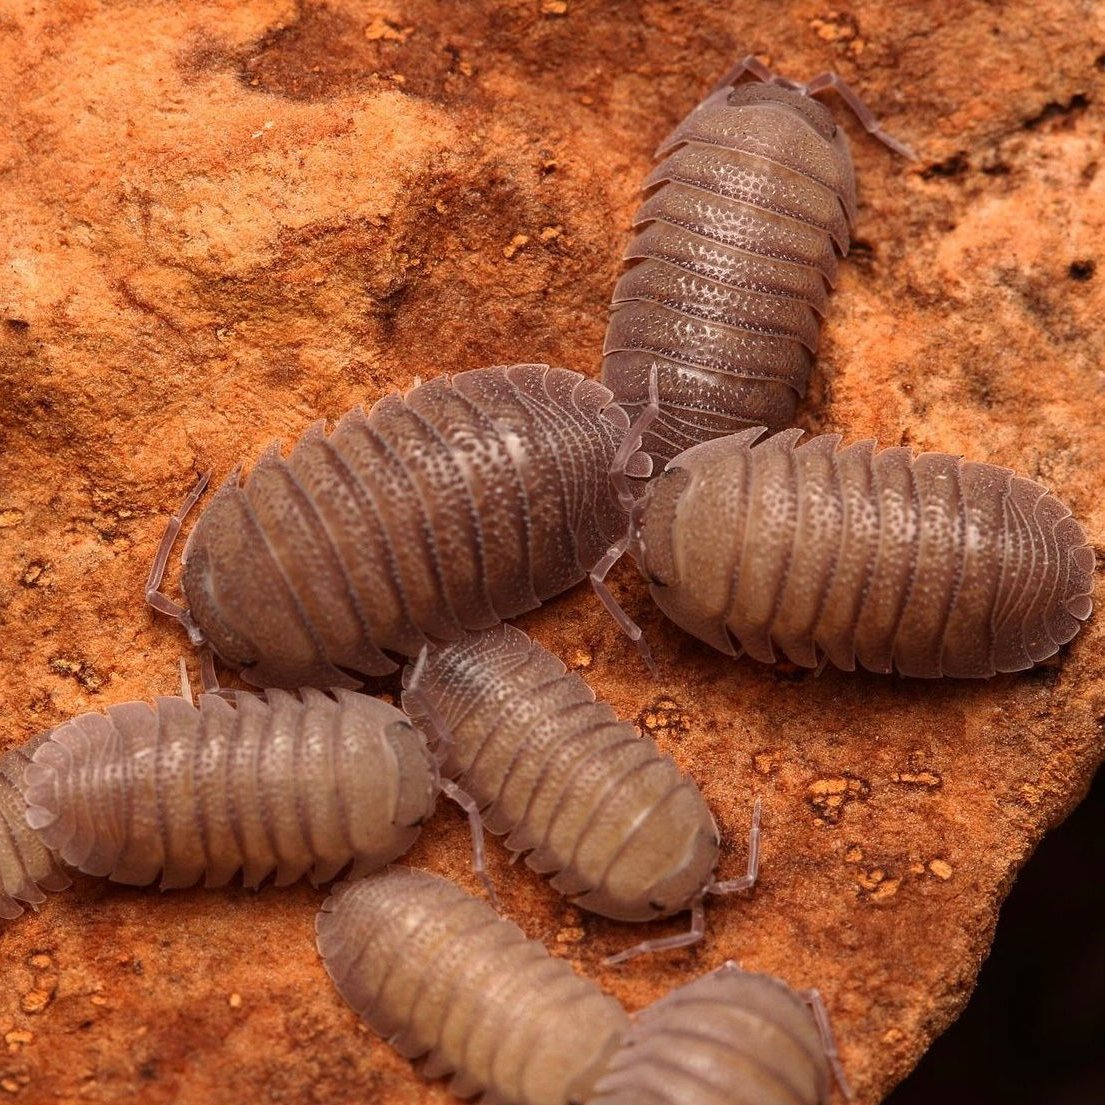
(468,500)
(439,974)
(299,786)
(928,565)
(728,1038)
(733,252)
(623,832)
(27,866)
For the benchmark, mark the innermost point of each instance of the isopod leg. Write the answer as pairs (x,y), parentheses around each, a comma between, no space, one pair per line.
(442,737)
(598,581)
(825,1030)
(859,109)
(475,824)
(634,438)
(154,597)
(209,681)
(666,943)
(752,871)
(185,684)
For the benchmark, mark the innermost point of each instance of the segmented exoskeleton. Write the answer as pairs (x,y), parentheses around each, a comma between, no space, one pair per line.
(466,501)
(732,256)
(299,786)
(27,867)
(728,1038)
(593,802)
(437,973)
(929,565)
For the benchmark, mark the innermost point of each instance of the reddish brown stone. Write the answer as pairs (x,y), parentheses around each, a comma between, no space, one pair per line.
(222,222)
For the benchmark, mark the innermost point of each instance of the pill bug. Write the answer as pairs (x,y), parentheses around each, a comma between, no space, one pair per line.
(27,866)
(728,1038)
(437,973)
(732,255)
(929,565)
(592,801)
(299,786)
(465,501)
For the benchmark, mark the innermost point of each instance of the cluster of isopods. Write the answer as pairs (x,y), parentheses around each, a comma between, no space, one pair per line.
(419,528)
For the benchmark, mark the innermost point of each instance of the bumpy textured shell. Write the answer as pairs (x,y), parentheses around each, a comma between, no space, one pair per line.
(274,783)
(436,971)
(627,835)
(27,866)
(466,501)
(727,276)
(728,1038)
(930,565)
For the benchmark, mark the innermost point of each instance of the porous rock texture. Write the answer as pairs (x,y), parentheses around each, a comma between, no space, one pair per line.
(222,221)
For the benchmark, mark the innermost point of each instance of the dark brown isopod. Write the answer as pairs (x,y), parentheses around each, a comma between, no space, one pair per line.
(728,1038)
(928,565)
(299,786)
(466,501)
(593,802)
(27,866)
(734,248)
(437,973)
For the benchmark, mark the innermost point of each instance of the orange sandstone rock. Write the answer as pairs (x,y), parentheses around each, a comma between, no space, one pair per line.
(221,222)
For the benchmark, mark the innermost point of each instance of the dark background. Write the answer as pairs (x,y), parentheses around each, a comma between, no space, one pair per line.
(1034,1031)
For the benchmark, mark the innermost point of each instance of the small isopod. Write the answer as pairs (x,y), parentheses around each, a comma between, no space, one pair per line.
(466,501)
(733,252)
(299,786)
(929,565)
(623,831)
(27,867)
(728,1038)
(436,972)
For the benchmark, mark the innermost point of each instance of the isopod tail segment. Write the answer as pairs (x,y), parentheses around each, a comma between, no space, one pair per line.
(697,930)
(442,740)
(154,596)
(822,82)
(628,450)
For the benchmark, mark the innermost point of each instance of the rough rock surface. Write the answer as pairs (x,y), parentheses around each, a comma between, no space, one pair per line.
(221,222)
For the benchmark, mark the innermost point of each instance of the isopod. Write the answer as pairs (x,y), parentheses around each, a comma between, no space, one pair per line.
(624,832)
(728,1038)
(299,786)
(733,252)
(929,565)
(466,501)
(27,866)
(438,973)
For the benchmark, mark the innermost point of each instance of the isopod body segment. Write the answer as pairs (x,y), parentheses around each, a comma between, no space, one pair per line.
(592,802)
(297,786)
(27,866)
(468,500)
(929,565)
(727,274)
(728,1038)
(438,974)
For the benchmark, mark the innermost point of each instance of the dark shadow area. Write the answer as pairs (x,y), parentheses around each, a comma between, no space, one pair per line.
(1034,1031)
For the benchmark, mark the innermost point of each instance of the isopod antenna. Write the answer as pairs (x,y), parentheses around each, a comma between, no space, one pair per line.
(165,605)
